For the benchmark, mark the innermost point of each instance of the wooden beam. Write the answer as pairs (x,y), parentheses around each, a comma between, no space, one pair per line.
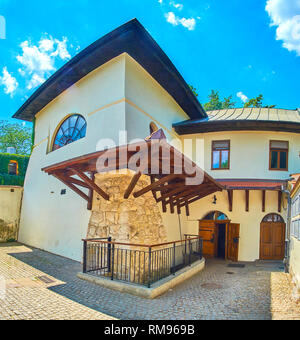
(71,186)
(171,192)
(187,209)
(77,182)
(91,194)
(230,199)
(172,205)
(279,201)
(92,185)
(247,199)
(192,199)
(155,185)
(132,185)
(263,200)
(178,208)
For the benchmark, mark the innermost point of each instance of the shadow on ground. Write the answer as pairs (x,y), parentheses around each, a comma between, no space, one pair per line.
(219,292)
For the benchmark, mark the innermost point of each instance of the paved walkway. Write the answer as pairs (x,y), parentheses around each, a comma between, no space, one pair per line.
(219,292)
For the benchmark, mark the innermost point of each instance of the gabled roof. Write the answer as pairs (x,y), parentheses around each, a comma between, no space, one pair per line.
(133,39)
(260,119)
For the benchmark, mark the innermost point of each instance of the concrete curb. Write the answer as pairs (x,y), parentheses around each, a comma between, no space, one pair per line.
(156,290)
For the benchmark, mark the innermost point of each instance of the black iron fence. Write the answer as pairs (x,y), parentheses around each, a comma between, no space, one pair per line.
(137,263)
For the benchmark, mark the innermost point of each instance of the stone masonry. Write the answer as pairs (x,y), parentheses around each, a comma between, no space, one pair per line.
(133,220)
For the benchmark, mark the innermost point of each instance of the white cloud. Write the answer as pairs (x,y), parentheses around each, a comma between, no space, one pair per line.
(9,82)
(38,61)
(285,14)
(242,97)
(190,24)
(177,6)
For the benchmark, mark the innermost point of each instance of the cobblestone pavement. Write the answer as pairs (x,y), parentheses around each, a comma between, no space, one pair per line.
(258,291)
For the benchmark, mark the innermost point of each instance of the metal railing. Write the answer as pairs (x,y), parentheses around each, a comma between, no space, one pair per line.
(137,263)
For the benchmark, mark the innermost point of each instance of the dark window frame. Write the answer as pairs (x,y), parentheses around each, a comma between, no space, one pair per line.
(220,154)
(278,151)
(76,134)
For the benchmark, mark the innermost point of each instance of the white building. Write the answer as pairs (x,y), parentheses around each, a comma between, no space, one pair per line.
(125,82)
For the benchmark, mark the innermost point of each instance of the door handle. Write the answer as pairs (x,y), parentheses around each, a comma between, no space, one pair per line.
(213,239)
(236,240)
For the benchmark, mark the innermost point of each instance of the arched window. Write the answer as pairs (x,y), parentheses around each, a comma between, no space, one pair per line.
(72,129)
(13,168)
(273,218)
(216,216)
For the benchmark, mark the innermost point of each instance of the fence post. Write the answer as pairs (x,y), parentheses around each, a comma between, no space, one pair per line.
(84,256)
(149,267)
(174,255)
(190,252)
(112,261)
(201,248)
(109,255)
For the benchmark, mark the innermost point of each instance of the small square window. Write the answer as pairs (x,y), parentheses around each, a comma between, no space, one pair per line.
(279,151)
(220,155)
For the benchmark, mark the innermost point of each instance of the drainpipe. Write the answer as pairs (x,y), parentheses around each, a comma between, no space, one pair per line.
(288,233)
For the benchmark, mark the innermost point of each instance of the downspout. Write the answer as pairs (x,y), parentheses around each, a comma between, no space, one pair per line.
(288,233)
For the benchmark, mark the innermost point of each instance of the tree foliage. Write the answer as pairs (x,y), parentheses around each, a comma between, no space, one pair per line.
(257,102)
(194,90)
(15,135)
(215,103)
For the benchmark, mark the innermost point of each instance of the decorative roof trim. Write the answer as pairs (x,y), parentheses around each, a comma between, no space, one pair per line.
(203,126)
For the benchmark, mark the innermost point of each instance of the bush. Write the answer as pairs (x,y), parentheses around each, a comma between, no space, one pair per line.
(5,178)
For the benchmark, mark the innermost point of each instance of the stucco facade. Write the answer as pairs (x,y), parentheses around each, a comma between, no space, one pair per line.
(109,100)
(119,100)
(295,240)
(10,206)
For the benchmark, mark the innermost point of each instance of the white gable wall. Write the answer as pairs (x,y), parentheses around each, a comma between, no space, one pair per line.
(49,220)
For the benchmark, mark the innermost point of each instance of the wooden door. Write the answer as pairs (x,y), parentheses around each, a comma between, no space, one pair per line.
(233,240)
(272,241)
(208,232)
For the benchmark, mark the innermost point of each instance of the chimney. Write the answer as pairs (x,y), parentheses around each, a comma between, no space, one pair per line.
(11,150)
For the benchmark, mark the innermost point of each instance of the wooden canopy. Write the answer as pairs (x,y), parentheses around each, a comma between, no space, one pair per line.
(253,184)
(176,181)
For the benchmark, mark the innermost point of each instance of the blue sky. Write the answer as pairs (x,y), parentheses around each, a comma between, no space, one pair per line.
(242,48)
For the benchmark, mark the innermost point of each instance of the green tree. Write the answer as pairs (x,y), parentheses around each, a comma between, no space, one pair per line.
(215,103)
(15,135)
(258,102)
(194,90)
(255,102)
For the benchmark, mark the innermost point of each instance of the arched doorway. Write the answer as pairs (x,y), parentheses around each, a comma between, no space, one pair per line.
(272,237)
(220,236)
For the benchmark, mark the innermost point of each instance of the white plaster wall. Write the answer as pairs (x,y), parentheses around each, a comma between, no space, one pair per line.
(10,207)
(295,261)
(249,221)
(153,102)
(249,153)
(50,221)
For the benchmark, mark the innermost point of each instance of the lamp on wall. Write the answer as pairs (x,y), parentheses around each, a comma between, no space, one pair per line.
(214,200)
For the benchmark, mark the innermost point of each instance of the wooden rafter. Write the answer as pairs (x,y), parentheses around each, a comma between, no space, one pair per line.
(279,201)
(91,194)
(187,209)
(263,200)
(230,199)
(77,182)
(155,185)
(71,186)
(91,184)
(174,191)
(132,184)
(247,199)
